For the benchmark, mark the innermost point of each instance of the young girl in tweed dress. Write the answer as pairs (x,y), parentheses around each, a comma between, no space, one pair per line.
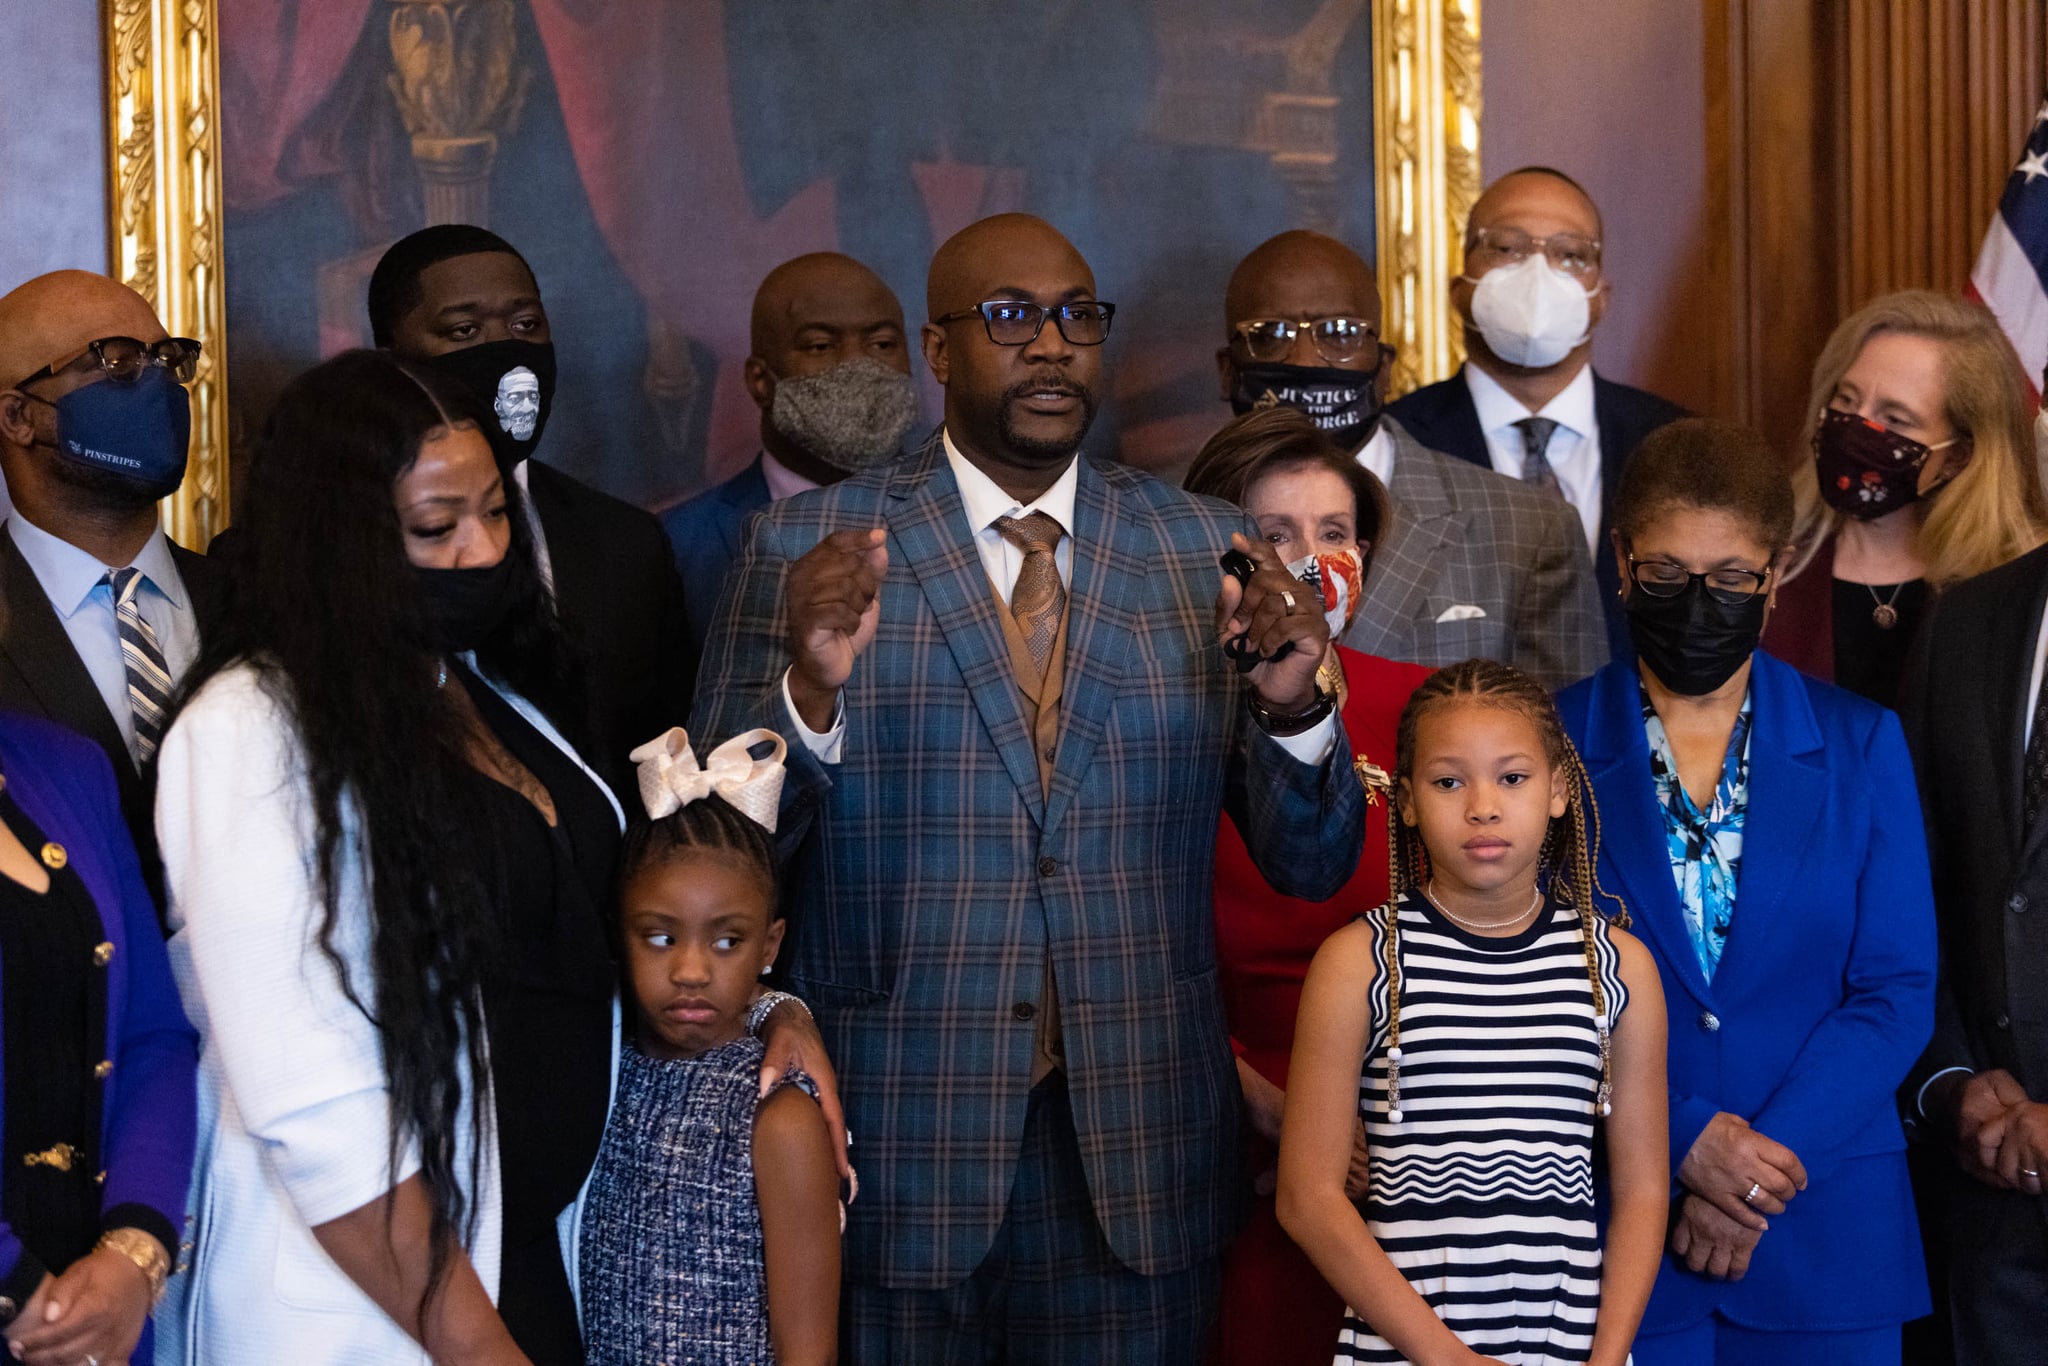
(710,1228)
(1483,1027)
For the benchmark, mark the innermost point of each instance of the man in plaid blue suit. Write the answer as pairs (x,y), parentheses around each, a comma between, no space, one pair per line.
(1010,741)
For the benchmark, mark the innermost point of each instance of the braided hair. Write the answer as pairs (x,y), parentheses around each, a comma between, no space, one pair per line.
(710,825)
(1564,868)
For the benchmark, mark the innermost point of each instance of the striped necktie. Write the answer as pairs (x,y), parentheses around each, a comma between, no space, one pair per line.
(1536,433)
(149,676)
(1038,599)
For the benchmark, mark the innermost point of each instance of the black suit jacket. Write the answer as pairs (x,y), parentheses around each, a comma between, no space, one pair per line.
(1965,706)
(1442,417)
(42,675)
(621,602)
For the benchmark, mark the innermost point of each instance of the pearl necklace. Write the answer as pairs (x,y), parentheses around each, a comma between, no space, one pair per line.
(1535,900)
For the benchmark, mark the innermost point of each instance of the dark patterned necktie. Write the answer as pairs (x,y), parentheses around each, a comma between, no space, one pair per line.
(2034,783)
(1038,598)
(1536,469)
(149,676)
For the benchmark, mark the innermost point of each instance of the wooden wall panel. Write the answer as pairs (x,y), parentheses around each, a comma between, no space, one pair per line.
(1937,96)
(1853,147)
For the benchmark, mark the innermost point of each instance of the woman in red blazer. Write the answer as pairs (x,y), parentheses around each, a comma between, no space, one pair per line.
(1321,510)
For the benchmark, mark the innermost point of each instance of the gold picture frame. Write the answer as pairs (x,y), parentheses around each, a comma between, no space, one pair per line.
(165,216)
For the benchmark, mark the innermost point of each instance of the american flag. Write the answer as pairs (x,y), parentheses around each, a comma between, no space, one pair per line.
(2011,274)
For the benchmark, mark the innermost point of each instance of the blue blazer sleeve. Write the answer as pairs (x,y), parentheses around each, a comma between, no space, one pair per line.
(1851,1065)
(148,1140)
(148,1134)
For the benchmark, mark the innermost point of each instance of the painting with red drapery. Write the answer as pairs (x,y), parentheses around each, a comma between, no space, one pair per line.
(654,158)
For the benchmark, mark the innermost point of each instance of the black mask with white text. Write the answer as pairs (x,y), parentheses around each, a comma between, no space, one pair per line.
(1344,403)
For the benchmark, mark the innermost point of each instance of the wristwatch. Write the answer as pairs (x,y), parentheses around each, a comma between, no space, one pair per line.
(1280,723)
(143,1250)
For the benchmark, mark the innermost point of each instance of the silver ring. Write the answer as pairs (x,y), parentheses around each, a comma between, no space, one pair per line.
(1287,600)
(2029,1171)
(1755,1187)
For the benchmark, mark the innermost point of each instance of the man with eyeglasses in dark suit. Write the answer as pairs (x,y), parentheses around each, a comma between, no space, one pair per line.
(100,612)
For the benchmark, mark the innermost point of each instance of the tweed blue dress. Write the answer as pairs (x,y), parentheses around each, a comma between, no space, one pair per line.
(671,1263)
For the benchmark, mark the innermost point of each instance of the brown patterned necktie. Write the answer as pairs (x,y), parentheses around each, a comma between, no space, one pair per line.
(1038,598)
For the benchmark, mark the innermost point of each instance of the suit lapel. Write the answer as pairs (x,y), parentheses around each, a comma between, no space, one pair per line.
(1788,785)
(35,643)
(1109,571)
(1458,419)
(1408,561)
(1632,835)
(571,569)
(929,526)
(2009,656)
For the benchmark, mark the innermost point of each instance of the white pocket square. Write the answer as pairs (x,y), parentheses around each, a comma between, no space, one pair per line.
(1464,611)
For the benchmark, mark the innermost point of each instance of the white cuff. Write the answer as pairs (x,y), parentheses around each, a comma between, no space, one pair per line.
(1920,1096)
(827,746)
(1312,746)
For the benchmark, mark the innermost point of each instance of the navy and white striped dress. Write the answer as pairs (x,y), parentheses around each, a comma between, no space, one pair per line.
(1483,1194)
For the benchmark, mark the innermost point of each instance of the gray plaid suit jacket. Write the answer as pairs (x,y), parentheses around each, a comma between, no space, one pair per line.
(930,874)
(1462,536)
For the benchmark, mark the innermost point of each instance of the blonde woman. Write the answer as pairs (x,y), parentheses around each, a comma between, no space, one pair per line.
(1917,470)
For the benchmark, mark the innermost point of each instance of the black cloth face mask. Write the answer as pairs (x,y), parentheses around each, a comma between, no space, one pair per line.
(465,607)
(1694,642)
(1344,403)
(514,381)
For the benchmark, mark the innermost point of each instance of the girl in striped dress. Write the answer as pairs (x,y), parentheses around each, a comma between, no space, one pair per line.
(1475,1031)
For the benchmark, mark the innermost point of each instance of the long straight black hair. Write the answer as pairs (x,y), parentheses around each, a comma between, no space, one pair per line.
(323,604)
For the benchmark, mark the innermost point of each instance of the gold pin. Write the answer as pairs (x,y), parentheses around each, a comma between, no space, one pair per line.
(58,1157)
(54,856)
(104,1070)
(103,954)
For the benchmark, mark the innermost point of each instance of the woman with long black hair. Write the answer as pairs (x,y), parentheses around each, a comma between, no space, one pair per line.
(387,868)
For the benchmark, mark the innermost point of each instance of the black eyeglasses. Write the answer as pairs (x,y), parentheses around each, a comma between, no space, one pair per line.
(1017,322)
(1729,585)
(1337,340)
(123,359)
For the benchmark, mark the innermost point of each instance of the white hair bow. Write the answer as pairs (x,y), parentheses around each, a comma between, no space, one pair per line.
(671,778)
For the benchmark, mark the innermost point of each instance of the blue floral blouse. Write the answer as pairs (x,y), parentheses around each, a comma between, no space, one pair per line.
(1705,846)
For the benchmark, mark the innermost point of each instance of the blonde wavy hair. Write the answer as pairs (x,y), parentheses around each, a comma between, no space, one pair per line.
(1993,510)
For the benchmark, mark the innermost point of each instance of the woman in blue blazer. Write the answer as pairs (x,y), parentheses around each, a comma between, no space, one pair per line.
(96,1062)
(1763,828)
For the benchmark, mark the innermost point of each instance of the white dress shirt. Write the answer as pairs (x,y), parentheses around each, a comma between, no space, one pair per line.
(76,584)
(1574,449)
(985,503)
(1377,455)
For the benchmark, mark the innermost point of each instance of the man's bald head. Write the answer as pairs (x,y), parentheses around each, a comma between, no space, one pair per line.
(989,260)
(1539,190)
(50,321)
(1017,412)
(821,284)
(1300,276)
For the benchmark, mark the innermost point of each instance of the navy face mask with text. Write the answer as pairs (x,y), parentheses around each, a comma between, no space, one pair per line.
(133,435)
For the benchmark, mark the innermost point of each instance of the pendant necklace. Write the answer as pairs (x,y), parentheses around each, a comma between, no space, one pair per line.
(1884,614)
(1535,900)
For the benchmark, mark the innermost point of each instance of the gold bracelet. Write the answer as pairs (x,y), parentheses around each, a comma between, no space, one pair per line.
(143,1250)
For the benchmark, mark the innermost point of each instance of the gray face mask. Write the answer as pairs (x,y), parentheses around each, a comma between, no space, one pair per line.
(853,416)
